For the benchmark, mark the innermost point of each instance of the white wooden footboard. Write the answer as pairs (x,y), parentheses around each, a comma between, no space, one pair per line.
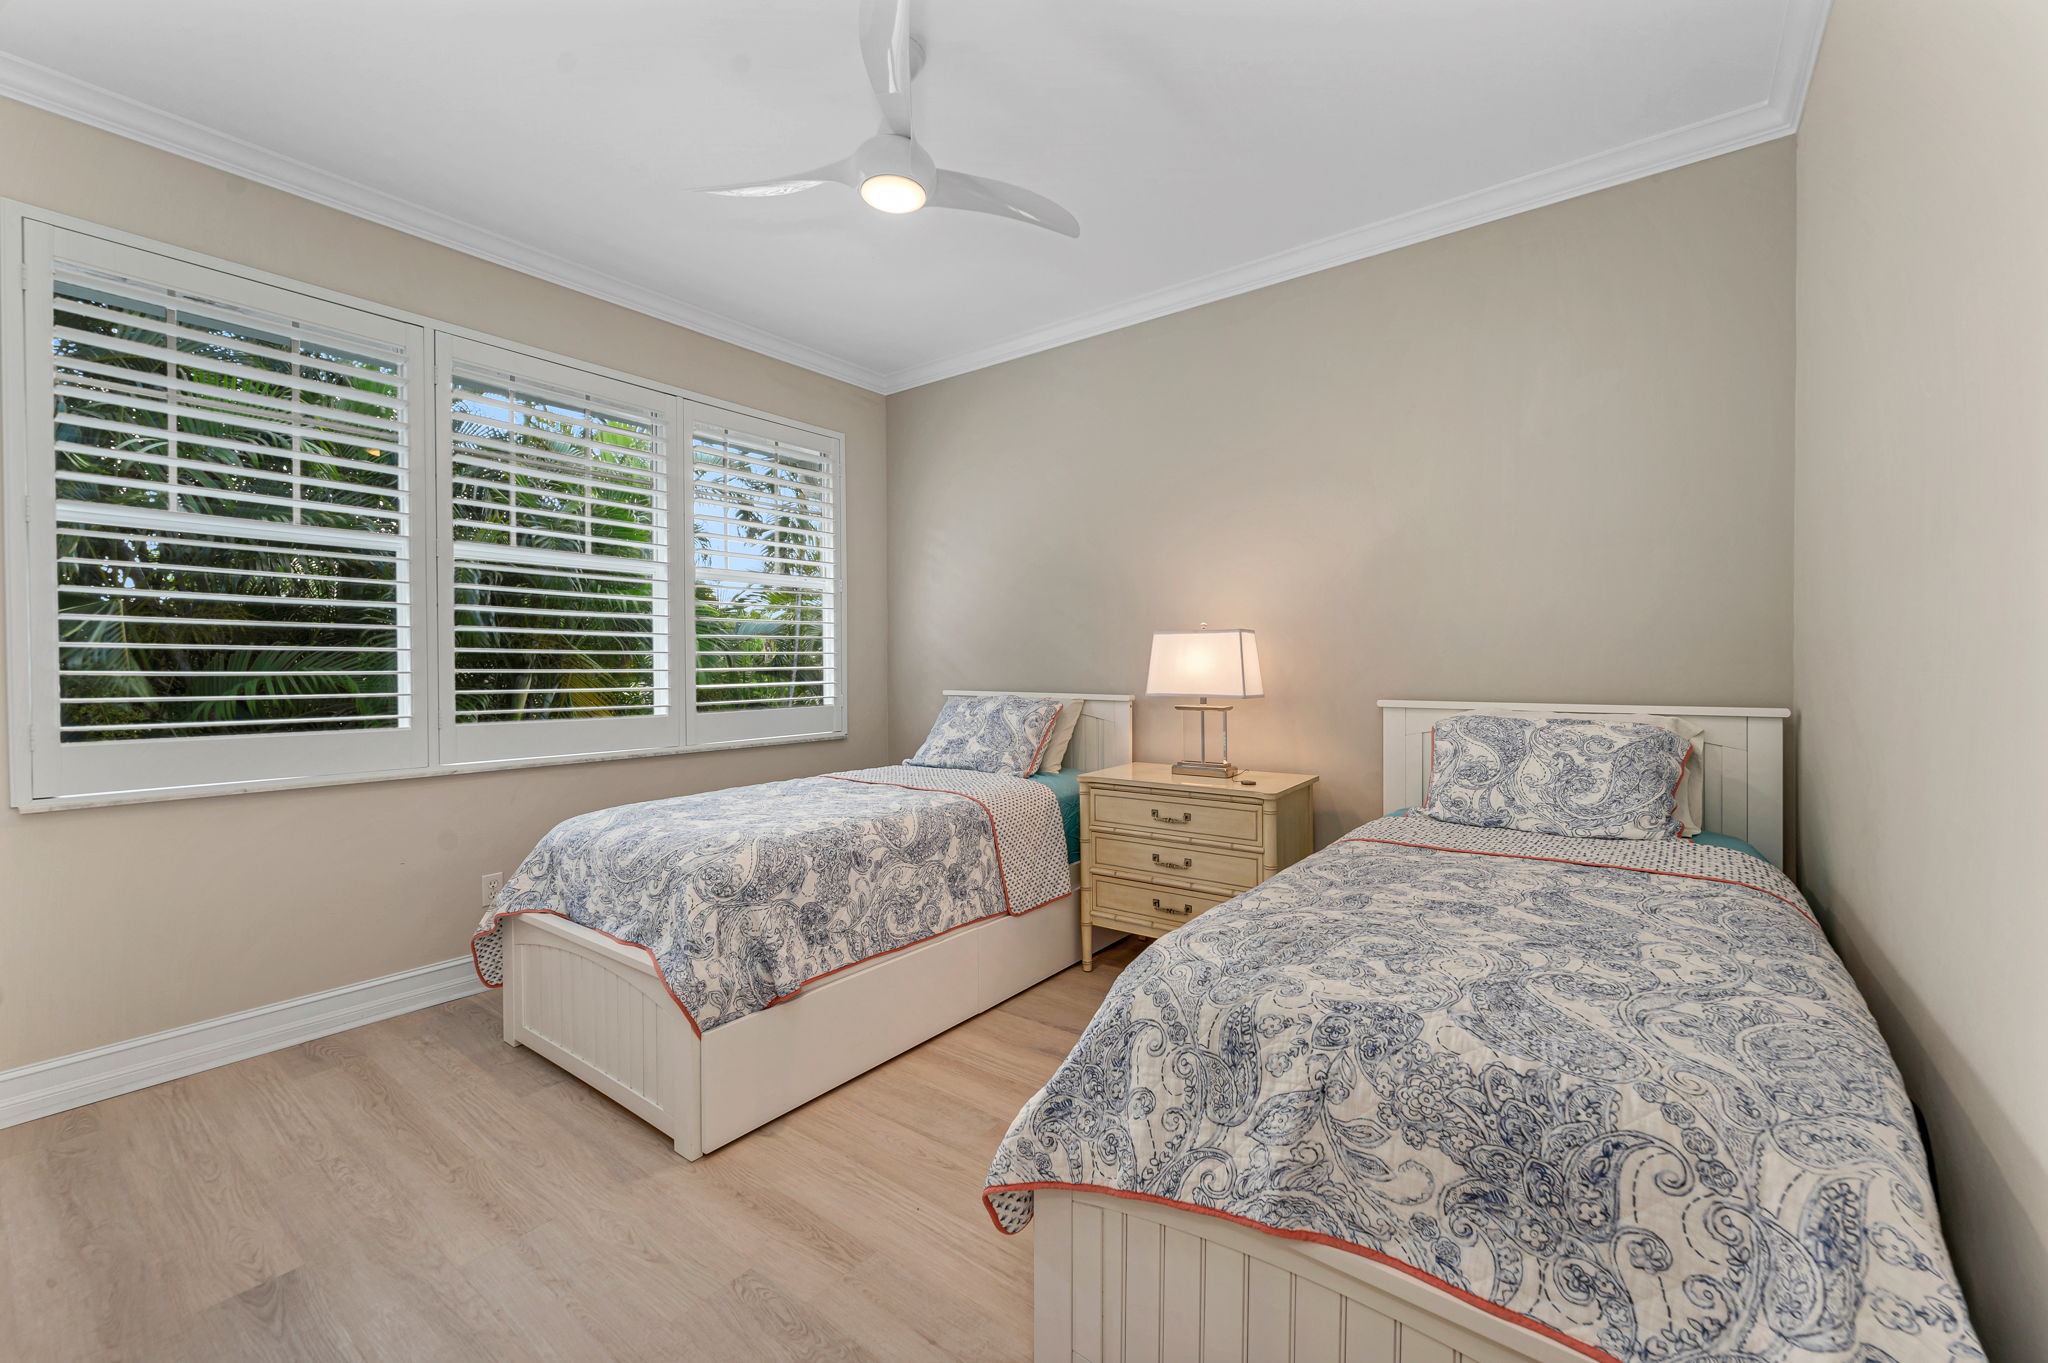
(599,1010)
(1123,1281)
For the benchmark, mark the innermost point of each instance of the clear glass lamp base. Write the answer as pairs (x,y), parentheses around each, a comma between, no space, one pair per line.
(1200,763)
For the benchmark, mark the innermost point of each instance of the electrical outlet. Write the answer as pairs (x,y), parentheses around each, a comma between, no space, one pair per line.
(491,884)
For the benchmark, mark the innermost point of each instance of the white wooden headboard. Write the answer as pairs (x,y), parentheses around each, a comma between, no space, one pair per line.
(1742,767)
(1103,737)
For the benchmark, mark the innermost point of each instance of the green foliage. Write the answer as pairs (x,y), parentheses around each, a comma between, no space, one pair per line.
(760,646)
(535,643)
(322,623)
(217,630)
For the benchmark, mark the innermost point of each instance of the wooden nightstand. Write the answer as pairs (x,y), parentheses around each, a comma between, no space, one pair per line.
(1158,849)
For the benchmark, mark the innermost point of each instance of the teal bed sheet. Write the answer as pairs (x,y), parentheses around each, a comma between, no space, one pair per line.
(1066,785)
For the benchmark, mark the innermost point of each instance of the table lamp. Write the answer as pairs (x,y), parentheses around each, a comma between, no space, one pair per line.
(1204,663)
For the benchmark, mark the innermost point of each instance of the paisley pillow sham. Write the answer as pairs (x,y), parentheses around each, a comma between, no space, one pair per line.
(1000,734)
(1567,776)
(1691,795)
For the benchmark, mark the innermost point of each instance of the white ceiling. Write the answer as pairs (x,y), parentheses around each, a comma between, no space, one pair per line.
(1207,147)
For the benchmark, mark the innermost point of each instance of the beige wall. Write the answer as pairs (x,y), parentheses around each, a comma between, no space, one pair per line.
(119,922)
(1547,458)
(1921,526)
(1544,459)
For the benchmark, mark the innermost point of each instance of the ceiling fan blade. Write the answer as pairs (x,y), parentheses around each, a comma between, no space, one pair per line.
(885,46)
(838,173)
(978,194)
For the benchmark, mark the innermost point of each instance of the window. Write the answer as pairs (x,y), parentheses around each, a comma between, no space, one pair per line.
(764,509)
(276,537)
(559,560)
(222,546)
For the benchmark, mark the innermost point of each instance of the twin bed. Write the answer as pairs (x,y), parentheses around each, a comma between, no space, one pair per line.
(1440,1091)
(840,921)
(1445,1092)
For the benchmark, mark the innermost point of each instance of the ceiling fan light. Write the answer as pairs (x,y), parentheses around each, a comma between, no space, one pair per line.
(892,193)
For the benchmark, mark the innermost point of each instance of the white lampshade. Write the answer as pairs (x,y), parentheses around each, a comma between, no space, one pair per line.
(1209,662)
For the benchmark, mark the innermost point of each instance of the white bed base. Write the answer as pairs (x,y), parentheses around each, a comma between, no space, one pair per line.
(600,1011)
(1119,1280)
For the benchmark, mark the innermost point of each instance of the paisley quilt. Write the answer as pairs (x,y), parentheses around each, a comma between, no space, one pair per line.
(742,897)
(1621,1092)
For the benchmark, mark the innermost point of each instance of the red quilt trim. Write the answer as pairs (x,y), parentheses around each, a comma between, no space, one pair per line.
(779,998)
(1596,865)
(1491,1308)
(1044,739)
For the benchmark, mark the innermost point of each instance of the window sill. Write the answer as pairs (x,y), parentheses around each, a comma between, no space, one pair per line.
(132,797)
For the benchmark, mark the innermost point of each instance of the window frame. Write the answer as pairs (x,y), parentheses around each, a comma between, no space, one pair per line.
(142,764)
(787,725)
(469,746)
(28,600)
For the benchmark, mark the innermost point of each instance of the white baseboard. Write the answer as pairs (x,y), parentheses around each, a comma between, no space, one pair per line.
(69,1081)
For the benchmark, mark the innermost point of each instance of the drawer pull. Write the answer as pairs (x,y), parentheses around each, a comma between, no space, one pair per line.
(1163,908)
(1188,817)
(1186,863)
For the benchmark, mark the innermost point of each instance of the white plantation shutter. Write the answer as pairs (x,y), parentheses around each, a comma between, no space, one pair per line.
(263,535)
(560,566)
(765,509)
(222,526)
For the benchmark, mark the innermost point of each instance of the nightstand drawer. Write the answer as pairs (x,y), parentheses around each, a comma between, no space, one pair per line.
(1192,863)
(1238,823)
(1144,924)
(1157,902)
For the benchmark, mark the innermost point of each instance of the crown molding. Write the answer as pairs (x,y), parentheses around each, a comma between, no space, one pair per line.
(1669,151)
(71,98)
(1775,117)
(1798,51)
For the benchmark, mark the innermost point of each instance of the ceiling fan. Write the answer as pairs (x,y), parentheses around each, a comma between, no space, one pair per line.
(890,170)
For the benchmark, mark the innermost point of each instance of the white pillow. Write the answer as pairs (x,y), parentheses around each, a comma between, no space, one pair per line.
(1690,801)
(1062,734)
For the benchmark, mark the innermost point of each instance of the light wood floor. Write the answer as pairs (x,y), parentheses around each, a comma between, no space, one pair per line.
(417,1190)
